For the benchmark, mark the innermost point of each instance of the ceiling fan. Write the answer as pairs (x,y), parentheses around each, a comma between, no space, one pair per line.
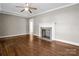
(27,7)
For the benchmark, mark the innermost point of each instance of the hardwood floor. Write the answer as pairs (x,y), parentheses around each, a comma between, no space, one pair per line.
(34,46)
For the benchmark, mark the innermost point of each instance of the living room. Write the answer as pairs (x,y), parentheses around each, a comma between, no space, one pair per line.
(50,27)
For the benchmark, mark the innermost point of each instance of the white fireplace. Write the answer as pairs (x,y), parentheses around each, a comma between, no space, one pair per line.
(47,31)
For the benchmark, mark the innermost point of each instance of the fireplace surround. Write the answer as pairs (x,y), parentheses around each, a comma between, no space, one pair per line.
(47,31)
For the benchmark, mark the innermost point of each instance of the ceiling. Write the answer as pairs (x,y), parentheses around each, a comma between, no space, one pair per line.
(10,8)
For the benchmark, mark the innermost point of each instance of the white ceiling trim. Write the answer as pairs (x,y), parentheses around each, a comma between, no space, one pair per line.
(17,14)
(68,5)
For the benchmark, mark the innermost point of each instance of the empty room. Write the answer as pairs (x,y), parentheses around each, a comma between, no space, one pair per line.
(39,29)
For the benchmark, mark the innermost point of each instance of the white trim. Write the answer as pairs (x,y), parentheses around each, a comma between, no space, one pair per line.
(15,14)
(36,35)
(12,35)
(69,42)
(68,5)
(48,25)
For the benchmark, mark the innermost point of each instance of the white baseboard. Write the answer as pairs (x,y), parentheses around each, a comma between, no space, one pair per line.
(69,42)
(12,35)
(36,35)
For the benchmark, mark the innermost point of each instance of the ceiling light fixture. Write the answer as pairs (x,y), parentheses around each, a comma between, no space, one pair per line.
(26,9)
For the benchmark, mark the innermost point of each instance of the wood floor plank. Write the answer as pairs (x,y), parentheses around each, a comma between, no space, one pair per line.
(24,45)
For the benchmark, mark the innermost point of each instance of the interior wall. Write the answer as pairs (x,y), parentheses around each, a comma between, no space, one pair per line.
(0,7)
(66,23)
(13,25)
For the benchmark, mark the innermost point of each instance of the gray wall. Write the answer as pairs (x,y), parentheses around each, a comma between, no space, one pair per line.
(12,25)
(67,23)
(0,7)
